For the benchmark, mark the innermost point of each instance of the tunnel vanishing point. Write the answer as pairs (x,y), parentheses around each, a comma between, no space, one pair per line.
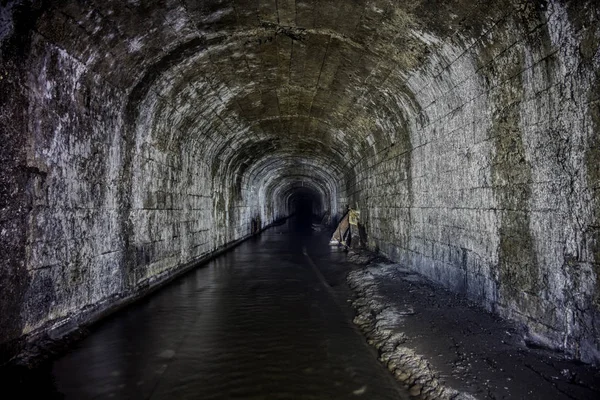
(139,137)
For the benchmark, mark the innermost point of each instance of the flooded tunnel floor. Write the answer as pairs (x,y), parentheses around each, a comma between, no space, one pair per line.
(260,322)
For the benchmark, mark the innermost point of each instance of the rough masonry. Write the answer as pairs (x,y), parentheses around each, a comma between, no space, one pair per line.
(139,137)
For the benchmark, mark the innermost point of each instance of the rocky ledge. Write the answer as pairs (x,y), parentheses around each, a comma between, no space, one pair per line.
(442,346)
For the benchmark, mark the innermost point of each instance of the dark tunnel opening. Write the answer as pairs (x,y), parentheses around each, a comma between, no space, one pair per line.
(305,207)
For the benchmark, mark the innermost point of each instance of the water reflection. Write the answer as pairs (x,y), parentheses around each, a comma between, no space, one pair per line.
(256,323)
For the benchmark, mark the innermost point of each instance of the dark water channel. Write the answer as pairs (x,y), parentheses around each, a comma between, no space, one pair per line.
(260,322)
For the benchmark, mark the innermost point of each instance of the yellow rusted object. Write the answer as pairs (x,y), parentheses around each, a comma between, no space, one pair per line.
(354,216)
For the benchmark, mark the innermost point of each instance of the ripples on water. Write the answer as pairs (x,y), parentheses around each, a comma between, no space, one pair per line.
(255,323)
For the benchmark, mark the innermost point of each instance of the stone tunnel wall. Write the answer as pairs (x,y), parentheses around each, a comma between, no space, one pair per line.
(139,136)
(96,206)
(493,191)
(110,183)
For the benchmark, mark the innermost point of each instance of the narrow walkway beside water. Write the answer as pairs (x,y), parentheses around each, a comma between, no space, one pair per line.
(260,322)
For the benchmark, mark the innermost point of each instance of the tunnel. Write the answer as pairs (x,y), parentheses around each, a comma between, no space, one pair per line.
(141,139)
(305,205)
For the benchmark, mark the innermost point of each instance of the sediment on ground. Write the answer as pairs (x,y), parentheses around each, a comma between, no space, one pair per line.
(380,323)
(440,345)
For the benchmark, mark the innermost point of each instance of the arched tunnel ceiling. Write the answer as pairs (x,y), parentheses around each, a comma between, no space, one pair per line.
(317,80)
(154,132)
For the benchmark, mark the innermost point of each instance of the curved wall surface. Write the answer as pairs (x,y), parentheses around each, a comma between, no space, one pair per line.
(139,137)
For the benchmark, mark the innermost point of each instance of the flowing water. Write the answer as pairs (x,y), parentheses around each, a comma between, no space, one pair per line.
(268,320)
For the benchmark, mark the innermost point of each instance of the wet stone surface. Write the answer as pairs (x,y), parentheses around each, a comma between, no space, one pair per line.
(260,322)
(440,345)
